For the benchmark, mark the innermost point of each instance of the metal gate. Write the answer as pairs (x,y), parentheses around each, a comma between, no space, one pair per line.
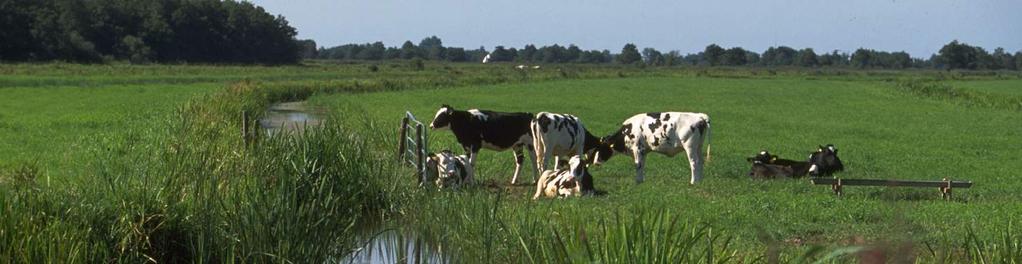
(413,148)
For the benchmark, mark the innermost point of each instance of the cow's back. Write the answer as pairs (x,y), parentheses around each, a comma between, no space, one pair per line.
(504,130)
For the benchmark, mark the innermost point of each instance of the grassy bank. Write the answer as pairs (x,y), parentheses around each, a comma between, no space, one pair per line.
(145,163)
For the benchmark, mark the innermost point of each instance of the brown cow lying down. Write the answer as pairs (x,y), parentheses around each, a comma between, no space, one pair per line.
(448,169)
(573,181)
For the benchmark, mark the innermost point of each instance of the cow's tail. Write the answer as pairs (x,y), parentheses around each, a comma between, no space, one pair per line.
(708,137)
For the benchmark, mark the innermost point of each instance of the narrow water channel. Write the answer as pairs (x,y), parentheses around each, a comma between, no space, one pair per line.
(394,246)
(290,117)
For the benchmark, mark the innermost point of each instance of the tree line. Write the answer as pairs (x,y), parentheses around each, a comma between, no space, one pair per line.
(140,31)
(954,55)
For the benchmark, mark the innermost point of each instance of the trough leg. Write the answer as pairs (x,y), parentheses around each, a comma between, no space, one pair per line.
(836,187)
(945,191)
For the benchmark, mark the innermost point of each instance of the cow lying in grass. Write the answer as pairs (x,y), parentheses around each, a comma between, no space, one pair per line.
(822,162)
(573,181)
(449,170)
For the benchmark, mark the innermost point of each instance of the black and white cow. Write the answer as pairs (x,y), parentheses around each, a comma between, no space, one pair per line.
(822,162)
(561,136)
(668,133)
(449,170)
(476,129)
(573,181)
(769,166)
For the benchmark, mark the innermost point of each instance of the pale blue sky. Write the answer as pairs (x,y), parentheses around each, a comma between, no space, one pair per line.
(919,27)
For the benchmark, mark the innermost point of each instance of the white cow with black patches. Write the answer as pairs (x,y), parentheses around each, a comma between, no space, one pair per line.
(560,136)
(668,133)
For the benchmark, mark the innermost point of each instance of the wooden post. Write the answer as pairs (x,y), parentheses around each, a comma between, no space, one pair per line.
(244,127)
(420,165)
(402,141)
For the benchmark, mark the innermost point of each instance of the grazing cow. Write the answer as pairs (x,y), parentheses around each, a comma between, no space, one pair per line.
(476,129)
(573,181)
(667,133)
(520,66)
(560,135)
(450,170)
(535,67)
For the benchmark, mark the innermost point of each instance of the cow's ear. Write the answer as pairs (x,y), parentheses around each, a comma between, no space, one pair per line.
(773,158)
(445,106)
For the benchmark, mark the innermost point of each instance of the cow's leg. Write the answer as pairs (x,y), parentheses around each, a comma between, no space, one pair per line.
(541,184)
(519,159)
(640,164)
(693,148)
(532,155)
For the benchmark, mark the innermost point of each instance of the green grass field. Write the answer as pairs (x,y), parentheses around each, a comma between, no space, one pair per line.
(155,168)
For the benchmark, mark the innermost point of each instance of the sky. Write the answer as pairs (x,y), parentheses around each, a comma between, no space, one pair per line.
(919,27)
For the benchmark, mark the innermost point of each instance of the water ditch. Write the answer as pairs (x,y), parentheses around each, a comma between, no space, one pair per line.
(375,243)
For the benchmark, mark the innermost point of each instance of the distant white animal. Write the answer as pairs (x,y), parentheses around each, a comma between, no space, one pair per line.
(486,59)
(535,67)
(520,67)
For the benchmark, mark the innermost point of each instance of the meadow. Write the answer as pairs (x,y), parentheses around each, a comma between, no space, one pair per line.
(145,163)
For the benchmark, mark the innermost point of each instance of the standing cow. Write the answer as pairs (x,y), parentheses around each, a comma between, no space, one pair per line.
(561,136)
(476,129)
(667,133)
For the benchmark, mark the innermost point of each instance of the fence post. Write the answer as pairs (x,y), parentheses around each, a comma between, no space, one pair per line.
(403,139)
(244,126)
(418,153)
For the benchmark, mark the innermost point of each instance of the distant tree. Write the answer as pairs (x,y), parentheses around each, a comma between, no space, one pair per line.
(500,54)
(476,55)
(371,51)
(955,55)
(572,54)
(735,56)
(552,54)
(1003,60)
(862,58)
(528,53)
(673,58)
(899,60)
(752,58)
(392,53)
(834,58)
(713,54)
(1018,60)
(652,57)
(409,50)
(432,48)
(807,58)
(629,54)
(456,54)
(779,56)
(307,49)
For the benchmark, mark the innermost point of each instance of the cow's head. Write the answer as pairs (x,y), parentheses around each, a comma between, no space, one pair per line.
(442,119)
(763,157)
(824,161)
(609,145)
(449,168)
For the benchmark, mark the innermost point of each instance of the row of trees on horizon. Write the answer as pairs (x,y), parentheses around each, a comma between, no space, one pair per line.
(954,55)
(143,31)
(229,31)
